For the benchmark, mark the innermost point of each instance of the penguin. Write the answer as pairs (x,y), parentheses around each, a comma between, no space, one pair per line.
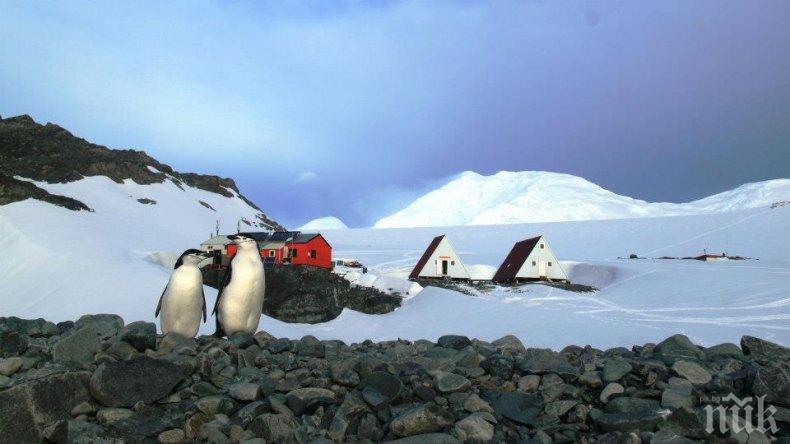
(240,298)
(182,300)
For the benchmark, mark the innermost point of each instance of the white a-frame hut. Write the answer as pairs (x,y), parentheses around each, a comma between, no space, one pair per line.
(439,260)
(530,259)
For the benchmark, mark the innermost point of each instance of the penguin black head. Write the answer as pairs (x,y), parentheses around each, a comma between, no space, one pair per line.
(192,256)
(241,239)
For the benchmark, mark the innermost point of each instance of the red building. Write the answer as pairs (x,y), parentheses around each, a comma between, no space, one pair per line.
(309,249)
(291,247)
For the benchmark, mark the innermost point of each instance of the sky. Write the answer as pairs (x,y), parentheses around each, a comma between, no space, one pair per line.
(353,108)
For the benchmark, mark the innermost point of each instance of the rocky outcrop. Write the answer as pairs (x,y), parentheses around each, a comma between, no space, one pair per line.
(310,295)
(49,153)
(15,190)
(257,387)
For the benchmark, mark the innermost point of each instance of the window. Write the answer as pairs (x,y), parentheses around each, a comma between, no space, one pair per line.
(549,263)
(293,253)
(534,263)
(541,245)
(312,254)
(452,262)
(271,253)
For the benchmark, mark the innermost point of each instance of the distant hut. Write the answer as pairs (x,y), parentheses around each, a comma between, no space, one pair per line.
(439,260)
(708,257)
(530,260)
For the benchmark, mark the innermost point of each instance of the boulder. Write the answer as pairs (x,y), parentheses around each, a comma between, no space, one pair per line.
(612,388)
(28,408)
(123,383)
(764,352)
(140,335)
(542,361)
(677,347)
(308,399)
(510,344)
(9,366)
(274,427)
(310,346)
(474,428)
(28,327)
(451,383)
(520,407)
(693,372)
(615,368)
(427,418)
(12,343)
(456,342)
(428,438)
(244,391)
(388,387)
(215,404)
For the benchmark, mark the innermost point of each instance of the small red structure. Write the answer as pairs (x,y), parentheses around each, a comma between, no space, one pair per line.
(290,247)
(309,249)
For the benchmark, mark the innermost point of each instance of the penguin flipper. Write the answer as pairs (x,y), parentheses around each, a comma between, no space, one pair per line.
(222,285)
(159,305)
(203,295)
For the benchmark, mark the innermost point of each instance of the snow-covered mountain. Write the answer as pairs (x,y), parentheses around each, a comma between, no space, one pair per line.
(537,196)
(324,223)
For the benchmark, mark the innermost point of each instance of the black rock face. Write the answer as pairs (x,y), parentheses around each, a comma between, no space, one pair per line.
(310,295)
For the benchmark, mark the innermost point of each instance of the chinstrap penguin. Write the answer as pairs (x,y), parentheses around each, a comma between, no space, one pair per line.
(182,300)
(240,298)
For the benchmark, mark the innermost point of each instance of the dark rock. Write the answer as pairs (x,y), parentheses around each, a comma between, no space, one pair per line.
(764,352)
(421,419)
(246,414)
(725,350)
(615,368)
(28,327)
(386,385)
(520,407)
(310,346)
(27,408)
(212,405)
(499,366)
(241,339)
(280,345)
(427,438)
(677,347)
(140,335)
(627,422)
(511,344)
(122,384)
(456,342)
(451,383)
(12,343)
(542,361)
(274,427)
(308,399)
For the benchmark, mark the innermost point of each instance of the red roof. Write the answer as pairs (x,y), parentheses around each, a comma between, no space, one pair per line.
(514,260)
(425,256)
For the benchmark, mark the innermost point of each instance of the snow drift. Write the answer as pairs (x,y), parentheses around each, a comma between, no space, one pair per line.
(324,223)
(538,196)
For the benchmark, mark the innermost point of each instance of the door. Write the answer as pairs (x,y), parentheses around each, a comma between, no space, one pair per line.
(541,269)
(444,268)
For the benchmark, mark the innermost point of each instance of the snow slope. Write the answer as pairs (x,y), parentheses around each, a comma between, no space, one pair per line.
(60,264)
(538,196)
(640,301)
(324,223)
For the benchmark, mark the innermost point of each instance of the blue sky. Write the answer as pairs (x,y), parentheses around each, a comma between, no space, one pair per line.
(353,108)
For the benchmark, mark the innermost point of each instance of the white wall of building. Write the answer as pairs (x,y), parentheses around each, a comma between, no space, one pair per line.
(444,252)
(541,262)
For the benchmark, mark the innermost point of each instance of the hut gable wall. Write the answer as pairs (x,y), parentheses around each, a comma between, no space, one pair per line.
(444,251)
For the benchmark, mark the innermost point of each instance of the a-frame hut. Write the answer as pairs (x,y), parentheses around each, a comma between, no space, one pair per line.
(438,261)
(530,260)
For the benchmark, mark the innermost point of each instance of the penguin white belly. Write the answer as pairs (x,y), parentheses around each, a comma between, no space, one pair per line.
(242,300)
(182,303)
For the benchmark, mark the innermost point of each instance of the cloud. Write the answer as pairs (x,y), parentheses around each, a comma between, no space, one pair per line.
(306,176)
